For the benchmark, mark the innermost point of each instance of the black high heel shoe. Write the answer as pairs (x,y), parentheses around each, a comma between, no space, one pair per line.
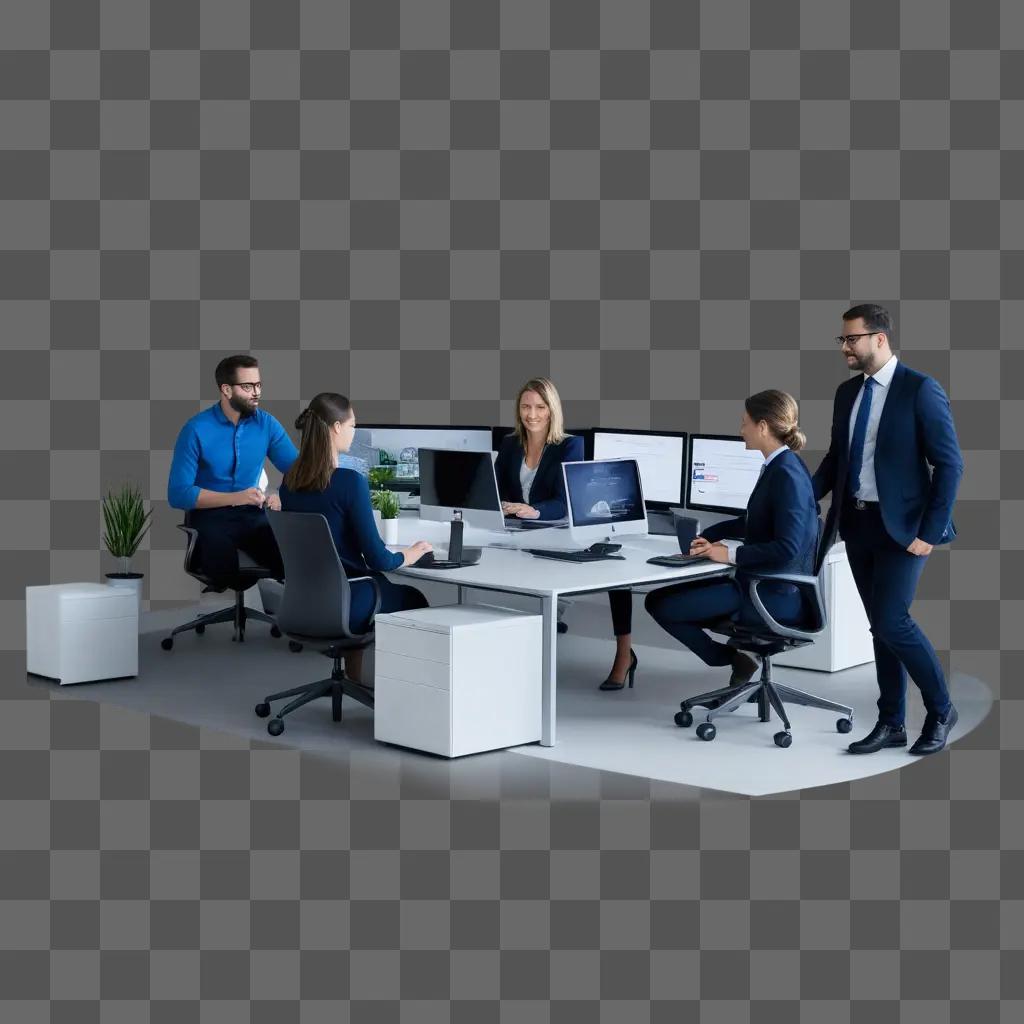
(612,684)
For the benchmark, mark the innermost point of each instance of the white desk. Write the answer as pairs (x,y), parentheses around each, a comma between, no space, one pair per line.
(509,570)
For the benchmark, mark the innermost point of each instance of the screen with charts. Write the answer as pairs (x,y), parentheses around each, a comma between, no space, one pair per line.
(398,446)
(603,493)
(722,473)
(661,458)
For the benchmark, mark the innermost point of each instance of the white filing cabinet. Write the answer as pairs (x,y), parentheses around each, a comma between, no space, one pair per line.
(458,679)
(80,632)
(846,640)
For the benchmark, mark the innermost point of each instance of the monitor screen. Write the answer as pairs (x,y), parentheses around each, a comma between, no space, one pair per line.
(722,473)
(604,494)
(660,456)
(398,446)
(458,480)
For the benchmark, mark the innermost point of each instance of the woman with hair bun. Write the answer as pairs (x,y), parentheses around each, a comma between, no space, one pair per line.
(778,533)
(314,483)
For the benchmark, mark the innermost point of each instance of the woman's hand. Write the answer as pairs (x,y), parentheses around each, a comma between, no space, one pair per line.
(414,552)
(703,547)
(274,502)
(519,510)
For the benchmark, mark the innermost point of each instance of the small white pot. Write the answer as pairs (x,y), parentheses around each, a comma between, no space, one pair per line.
(389,530)
(377,520)
(129,581)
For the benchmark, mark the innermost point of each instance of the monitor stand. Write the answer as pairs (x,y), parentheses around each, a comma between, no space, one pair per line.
(662,524)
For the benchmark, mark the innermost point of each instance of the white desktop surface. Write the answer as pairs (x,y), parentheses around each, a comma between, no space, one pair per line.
(509,569)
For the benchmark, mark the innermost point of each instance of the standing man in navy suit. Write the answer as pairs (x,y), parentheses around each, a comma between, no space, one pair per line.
(893,468)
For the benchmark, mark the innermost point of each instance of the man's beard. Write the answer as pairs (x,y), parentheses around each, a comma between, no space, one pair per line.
(243,406)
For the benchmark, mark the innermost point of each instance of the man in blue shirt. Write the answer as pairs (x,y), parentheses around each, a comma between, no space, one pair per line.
(218,459)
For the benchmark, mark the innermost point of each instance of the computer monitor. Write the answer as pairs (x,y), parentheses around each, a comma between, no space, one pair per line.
(459,482)
(722,473)
(606,499)
(661,456)
(398,446)
(498,434)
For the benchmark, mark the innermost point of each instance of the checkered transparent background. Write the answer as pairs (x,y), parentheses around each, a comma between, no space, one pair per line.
(664,204)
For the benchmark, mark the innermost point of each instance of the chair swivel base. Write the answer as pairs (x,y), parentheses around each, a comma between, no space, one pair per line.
(337,686)
(767,694)
(238,614)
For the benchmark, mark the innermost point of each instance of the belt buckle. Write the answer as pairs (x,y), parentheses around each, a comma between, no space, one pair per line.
(860,504)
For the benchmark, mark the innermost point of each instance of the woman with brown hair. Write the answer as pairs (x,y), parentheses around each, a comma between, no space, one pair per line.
(314,483)
(778,533)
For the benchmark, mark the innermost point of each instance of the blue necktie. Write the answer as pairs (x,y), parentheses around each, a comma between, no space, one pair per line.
(860,431)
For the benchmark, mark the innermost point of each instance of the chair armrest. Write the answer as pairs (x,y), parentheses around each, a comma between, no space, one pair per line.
(376,604)
(192,535)
(803,583)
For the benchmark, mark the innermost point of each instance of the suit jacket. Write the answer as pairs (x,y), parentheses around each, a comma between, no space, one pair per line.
(547,495)
(917,464)
(780,527)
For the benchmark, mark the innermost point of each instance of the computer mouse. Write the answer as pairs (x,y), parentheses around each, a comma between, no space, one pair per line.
(424,561)
(601,548)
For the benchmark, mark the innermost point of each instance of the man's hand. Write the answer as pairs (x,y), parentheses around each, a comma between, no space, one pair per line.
(919,547)
(250,496)
(274,502)
(521,511)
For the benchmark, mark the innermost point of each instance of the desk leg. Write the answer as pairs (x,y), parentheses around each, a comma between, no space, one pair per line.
(549,611)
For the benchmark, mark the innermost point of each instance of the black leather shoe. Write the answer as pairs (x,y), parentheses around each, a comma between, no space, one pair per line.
(933,735)
(881,736)
(615,684)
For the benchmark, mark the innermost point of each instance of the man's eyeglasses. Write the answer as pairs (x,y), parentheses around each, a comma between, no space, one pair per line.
(250,388)
(849,339)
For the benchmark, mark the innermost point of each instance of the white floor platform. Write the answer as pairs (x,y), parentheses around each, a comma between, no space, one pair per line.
(633,732)
(212,683)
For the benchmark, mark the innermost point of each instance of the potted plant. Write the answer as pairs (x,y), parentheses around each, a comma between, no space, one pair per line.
(387,505)
(125,522)
(378,477)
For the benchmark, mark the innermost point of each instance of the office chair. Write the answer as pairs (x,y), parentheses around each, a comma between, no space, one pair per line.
(764,640)
(249,574)
(314,612)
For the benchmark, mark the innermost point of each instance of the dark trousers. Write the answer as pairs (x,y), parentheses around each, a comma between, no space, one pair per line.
(394,597)
(621,604)
(886,576)
(223,532)
(684,610)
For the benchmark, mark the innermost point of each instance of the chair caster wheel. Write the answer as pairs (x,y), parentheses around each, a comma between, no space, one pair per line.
(263,710)
(167,643)
(200,630)
(706,731)
(844,725)
(275,632)
(294,646)
(783,739)
(563,628)
(684,719)
(275,727)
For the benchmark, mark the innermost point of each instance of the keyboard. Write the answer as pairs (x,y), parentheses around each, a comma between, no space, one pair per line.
(675,561)
(572,556)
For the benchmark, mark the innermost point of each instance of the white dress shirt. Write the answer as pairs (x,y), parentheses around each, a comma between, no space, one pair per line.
(732,546)
(868,490)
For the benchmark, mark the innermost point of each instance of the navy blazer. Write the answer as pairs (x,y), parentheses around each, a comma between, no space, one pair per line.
(547,495)
(780,527)
(915,432)
(346,507)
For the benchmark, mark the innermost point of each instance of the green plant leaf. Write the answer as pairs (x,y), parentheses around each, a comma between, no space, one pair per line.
(125,521)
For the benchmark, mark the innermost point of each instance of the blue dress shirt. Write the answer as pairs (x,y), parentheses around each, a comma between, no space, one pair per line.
(214,454)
